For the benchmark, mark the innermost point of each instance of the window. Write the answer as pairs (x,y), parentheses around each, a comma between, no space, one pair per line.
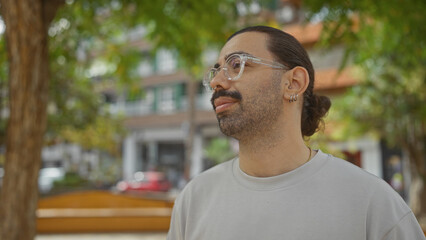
(135,94)
(166,103)
(166,61)
(109,97)
(145,68)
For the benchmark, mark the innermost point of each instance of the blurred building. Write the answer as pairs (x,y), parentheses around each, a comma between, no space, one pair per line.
(158,116)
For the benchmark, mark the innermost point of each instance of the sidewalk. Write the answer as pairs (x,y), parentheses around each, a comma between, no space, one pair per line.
(103,236)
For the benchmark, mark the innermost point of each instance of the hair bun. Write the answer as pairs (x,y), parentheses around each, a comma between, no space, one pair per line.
(324,104)
(314,109)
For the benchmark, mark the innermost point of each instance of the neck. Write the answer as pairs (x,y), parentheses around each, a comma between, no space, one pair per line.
(273,154)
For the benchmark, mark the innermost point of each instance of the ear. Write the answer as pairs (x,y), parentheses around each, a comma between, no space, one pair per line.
(296,82)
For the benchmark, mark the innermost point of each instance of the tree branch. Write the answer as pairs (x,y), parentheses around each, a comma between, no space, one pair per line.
(50,7)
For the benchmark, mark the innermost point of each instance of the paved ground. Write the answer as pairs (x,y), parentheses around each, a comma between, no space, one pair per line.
(103,236)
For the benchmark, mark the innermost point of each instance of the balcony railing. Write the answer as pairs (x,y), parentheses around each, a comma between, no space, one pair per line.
(133,108)
(142,107)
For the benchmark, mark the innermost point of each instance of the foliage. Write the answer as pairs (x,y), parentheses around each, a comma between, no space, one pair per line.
(386,43)
(91,50)
(70,179)
(219,150)
(391,30)
(105,133)
(108,173)
(186,26)
(387,103)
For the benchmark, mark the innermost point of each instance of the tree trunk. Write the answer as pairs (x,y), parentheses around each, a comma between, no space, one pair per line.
(415,147)
(417,198)
(417,192)
(26,38)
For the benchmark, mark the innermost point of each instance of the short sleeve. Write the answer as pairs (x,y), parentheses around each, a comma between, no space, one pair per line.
(389,217)
(406,229)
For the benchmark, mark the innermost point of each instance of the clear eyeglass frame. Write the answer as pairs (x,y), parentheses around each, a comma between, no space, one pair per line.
(234,73)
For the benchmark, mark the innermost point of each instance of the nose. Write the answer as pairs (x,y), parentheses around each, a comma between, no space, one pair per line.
(220,80)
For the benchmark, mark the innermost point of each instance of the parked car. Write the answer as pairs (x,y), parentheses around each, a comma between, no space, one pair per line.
(146,181)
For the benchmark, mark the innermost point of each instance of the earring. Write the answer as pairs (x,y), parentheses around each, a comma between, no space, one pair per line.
(293,98)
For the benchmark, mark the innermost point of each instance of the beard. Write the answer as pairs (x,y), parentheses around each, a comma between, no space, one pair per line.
(254,114)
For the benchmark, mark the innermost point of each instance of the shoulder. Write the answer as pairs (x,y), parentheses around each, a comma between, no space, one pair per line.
(353,176)
(352,180)
(389,217)
(384,207)
(350,175)
(207,181)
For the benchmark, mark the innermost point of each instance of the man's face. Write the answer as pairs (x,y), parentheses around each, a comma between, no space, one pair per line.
(251,104)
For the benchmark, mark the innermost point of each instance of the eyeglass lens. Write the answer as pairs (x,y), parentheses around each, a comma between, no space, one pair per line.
(231,69)
(233,66)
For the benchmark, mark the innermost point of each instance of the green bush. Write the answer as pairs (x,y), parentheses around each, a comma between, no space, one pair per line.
(71,179)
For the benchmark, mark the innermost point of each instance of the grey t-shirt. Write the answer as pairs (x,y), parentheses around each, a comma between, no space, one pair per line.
(326,198)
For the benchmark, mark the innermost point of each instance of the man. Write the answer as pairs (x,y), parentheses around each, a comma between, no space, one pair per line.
(278,188)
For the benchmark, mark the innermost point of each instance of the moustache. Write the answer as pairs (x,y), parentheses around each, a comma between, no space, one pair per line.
(223,93)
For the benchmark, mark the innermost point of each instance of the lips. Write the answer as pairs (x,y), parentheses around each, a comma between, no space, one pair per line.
(223,103)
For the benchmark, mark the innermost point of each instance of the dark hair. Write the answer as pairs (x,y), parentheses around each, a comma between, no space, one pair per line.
(290,52)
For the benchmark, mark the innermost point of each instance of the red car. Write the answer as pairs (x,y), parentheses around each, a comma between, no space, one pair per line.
(146,181)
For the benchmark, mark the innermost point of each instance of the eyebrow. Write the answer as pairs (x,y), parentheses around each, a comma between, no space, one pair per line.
(238,52)
(230,54)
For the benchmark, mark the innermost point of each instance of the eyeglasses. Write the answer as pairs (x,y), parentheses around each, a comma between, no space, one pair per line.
(234,67)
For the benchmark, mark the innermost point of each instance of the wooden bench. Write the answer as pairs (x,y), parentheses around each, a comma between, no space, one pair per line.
(101,211)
